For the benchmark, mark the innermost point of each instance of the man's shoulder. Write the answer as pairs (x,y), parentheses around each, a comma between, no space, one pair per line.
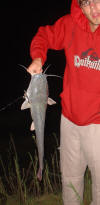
(67,18)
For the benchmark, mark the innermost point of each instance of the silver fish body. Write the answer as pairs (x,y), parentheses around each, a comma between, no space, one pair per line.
(36,99)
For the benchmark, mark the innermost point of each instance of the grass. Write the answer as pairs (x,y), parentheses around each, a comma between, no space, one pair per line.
(47,199)
(19,185)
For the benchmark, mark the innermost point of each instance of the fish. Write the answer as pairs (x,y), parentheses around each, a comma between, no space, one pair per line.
(36,99)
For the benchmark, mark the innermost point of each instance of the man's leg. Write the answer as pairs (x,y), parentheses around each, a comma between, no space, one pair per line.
(72,161)
(91,148)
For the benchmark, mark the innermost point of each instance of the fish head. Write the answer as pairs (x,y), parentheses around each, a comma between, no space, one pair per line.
(38,90)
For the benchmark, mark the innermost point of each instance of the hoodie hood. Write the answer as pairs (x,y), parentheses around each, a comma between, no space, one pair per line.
(79,18)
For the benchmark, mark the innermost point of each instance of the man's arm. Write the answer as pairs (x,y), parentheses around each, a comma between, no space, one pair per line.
(47,37)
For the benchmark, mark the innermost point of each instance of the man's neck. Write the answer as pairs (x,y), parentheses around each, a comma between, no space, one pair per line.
(93,27)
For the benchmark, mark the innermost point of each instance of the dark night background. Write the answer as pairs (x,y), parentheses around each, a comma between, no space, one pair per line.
(19,23)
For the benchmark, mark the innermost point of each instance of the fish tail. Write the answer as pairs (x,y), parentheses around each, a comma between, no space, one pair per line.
(39,174)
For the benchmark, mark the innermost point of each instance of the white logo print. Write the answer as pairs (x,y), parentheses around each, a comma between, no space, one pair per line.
(86,62)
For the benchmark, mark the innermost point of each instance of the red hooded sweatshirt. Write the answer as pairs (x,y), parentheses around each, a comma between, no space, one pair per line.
(80,97)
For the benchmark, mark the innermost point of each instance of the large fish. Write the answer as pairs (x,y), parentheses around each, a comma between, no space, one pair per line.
(36,98)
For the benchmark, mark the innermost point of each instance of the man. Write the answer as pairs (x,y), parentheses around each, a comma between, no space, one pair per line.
(79,35)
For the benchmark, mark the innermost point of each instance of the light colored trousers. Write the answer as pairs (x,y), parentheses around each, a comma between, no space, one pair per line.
(79,147)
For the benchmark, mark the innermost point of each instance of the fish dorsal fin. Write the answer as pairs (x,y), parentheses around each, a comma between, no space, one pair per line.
(51,101)
(25,105)
(32,127)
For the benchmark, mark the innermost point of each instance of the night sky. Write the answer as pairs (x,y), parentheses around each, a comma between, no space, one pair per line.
(18,26)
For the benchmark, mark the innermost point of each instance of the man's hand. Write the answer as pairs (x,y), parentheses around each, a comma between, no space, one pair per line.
(35,66)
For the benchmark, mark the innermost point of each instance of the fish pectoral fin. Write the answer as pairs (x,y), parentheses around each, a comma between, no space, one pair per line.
(25,105)
(32,128)
(51,101)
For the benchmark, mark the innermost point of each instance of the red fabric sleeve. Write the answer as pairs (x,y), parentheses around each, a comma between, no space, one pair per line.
(47,37)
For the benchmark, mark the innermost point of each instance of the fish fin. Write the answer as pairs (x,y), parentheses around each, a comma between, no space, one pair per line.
(51,101)
(58,148)
(32,128)
(25,105)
